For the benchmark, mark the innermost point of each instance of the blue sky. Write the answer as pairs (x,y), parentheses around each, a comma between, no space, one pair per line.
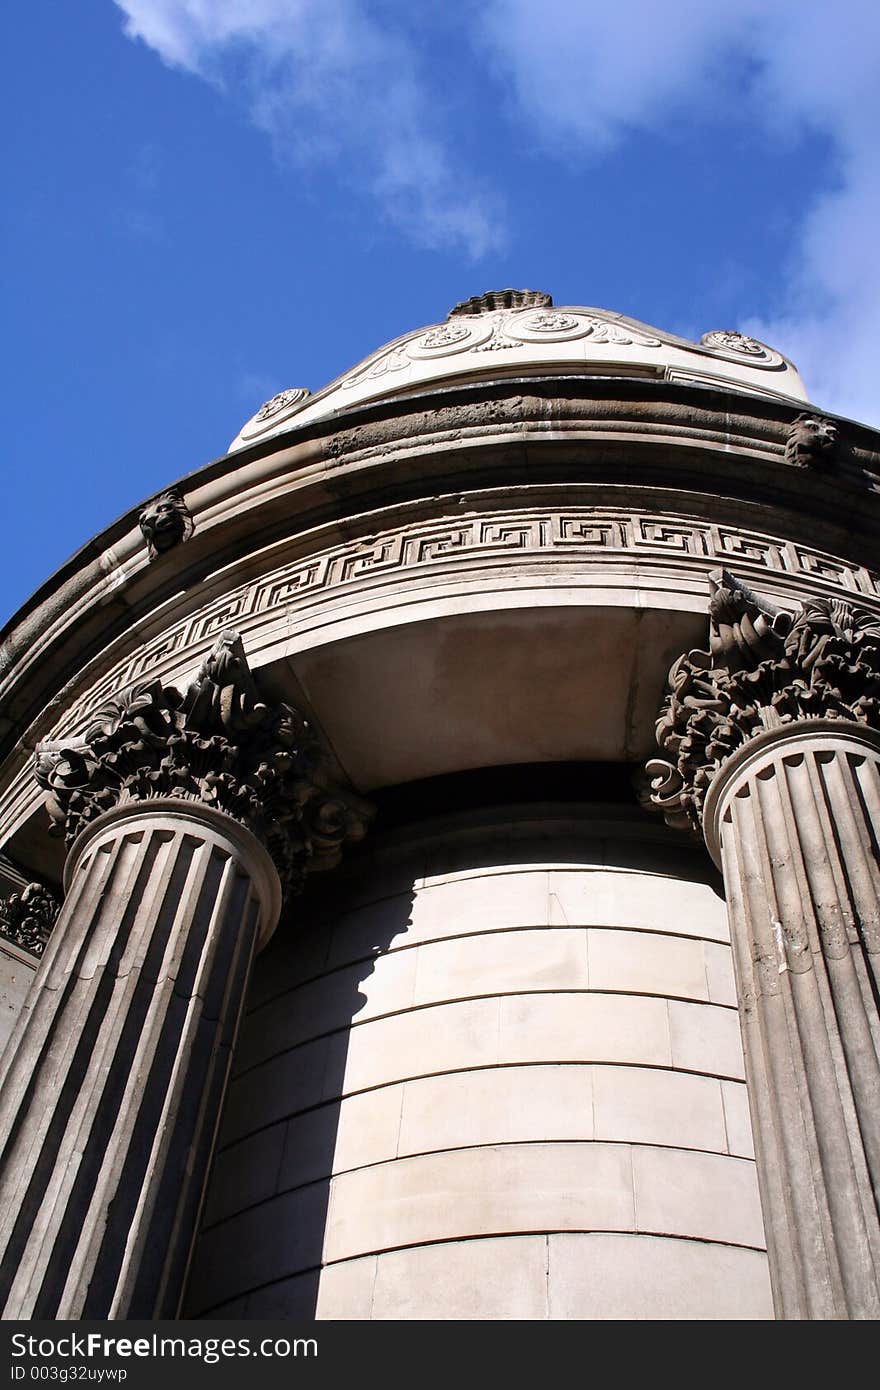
(207,201)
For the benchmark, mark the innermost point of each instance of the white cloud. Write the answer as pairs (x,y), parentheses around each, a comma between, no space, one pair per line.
(824,71)
(593,74)
(329,82)
(338,81)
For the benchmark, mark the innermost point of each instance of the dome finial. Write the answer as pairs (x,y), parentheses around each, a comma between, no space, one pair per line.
(501,299)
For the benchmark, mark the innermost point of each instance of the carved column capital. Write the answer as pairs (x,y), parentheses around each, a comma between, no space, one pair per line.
(218,745)
(764,669)
(27,918)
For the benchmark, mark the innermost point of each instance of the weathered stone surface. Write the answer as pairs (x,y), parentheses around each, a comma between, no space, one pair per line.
(119,1062)
(474,1280)
(774,736)
(16,977)
(796,826)
(473,1192)
(649,1278)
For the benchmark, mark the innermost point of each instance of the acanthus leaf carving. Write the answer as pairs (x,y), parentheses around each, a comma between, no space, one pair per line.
(218,744)
(27,918)
(764,668)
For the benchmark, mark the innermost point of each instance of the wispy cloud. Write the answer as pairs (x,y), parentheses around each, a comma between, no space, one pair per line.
(589,76)
(343,82)
(823,71)
(330,81)
(593,73)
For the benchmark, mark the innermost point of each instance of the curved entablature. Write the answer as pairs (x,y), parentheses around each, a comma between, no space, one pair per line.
(517,332)
(554,443)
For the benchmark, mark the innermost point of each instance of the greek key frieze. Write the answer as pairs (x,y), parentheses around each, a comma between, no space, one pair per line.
(566,533)
(741,546)
(386,553)
(520,534)
(421,550)
(683,538)
(155,654)
(612,533)
(216,618)
(304,577)
(808,562)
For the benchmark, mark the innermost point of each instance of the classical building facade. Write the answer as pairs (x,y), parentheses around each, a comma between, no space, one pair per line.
(439,852)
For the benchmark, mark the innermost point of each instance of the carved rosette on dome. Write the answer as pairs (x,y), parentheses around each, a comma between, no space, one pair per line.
(218,745)
(27,918)
(739,347)
(764,669)
(731,341)
(283,400)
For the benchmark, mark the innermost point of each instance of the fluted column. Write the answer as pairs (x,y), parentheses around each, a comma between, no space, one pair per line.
(187,818)
(777,759)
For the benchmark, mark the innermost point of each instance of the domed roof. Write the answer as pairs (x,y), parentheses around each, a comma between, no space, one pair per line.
(511,333)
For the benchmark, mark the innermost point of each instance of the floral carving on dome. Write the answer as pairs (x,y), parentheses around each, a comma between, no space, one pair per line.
(549,321)
(726,342)
(449,338)
(733,342)
(393,360)
(447,335)
(282,401)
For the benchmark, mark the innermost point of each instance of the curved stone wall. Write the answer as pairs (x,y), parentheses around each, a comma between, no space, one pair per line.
(500,1078)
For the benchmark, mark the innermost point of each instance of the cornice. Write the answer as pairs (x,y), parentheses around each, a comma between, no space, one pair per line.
(554,431)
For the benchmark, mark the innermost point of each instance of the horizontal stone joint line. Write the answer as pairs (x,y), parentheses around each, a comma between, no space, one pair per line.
(604,1142)
(475,998)
(491,1235)
(485,1066)
(467,936)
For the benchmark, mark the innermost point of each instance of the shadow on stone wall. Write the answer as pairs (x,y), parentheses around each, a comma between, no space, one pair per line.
(260,1247)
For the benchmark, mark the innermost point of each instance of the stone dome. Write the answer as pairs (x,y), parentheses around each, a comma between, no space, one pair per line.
(508,333)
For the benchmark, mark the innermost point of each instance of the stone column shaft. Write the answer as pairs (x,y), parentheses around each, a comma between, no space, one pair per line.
(795,820)
(119,1064)
(187,816)
(773,744)
(773,741)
